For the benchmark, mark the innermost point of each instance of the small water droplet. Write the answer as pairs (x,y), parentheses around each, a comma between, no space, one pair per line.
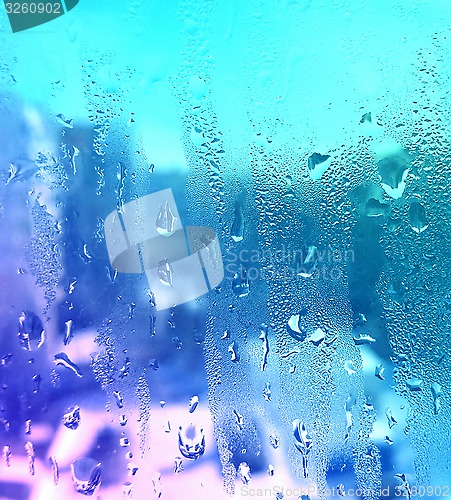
(71,419)
(193,403)
(244,472)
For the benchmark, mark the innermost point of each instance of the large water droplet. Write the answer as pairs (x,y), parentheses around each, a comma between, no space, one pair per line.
(191,441)
(165,221)
(86,475)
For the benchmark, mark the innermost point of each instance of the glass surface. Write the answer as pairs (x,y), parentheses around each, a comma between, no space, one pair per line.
(224,239)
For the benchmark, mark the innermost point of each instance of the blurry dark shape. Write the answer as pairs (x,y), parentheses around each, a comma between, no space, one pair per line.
(86,475)
(71,419)
(31,331)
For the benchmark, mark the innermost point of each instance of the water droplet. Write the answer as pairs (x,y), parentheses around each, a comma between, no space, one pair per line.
(62,120)
(29,450)
(119,399)
(317,337)
(270,470)
(55,470)
(28,427)
(193,403)
(349,367)
(264,338)
(302,441)
(156,485)
(363,339)
(294,327)
(178,465)
(390,418)
(124,442)
(393,171)
(379,372)
(165,221)
(239,419)
(267,391)
(127,490)
(244,472)
(7,455)
(341,490)
(388,440)
(165,272)
(86,475)
(62,358)
(37,379)
(123,420)
(436,393)
(240,283)
(414,384)
(234,352)
(274,441)
(317,165)
(71,418)
(132,468)
(69,332)
(191,441)
(417,217)
(31,331)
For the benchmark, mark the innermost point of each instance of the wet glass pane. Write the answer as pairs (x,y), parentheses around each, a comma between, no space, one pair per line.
(224,231)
